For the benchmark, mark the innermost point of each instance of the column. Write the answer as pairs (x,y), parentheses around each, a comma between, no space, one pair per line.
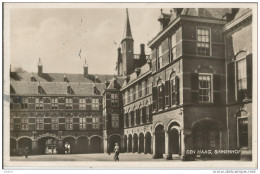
(34,146)
(168,155)
(145,150)
(179,142)
(127,148)
(76,146)
(183,145)
(133,144)
(153,144)
(89,150)
(60,148)
(138,145)
(141,115)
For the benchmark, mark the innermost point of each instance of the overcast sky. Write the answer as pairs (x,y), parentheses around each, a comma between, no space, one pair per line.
(58,35)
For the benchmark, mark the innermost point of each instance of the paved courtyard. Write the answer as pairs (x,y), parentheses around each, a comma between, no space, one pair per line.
(89,157)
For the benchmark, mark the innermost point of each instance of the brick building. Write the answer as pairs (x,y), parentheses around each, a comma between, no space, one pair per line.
(193,92)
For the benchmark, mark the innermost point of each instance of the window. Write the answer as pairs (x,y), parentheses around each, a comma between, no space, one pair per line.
(203,42)
(82,123)
(68,103)
(95,104)
(160,94)
(205,88)
(212,139)
(24,103)
(114,100)
(95,123)
(173,47)
(134,93)
(39,123)
(159,57)
(69,123)
(198,140)
(82,103)
(24,123)
(140,90)
(54,123)
(174,90)
(241,74)
(54,103)
(243,132)
(115,121)
(39,103)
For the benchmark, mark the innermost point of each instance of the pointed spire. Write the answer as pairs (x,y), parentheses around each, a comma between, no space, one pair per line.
(127,32)
(85,64)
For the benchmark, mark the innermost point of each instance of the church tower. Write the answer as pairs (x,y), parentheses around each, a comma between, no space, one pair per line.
(127,50)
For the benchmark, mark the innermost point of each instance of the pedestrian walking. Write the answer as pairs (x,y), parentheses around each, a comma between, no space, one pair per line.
(108,149)
(26,152)
(116,149)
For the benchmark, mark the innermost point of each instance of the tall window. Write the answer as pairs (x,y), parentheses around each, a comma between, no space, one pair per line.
(173,90)
(114,100)
(95,123)
(95,103)
(24,123)
(159,57)
(203,42)
(243,132)
(115,120)
(160,94)
(205,88)
(39,103)
(82,103)
(212,139)
(82,123)
(68,103)
(39,123)
(134,93)
(128,96)
(241,74)
(140,90)
(173,47)
(54,123)
(54,103)
(24,103)
(69,123)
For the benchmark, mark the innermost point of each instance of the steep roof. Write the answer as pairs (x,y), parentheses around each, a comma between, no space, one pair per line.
(216,13)
(55,88)
(59,77)
(127,32)
(116,83)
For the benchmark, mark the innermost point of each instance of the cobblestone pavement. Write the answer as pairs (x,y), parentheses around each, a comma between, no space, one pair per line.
(88,157)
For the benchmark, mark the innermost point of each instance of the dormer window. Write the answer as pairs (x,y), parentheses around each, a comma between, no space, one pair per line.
(40,90)
(69,90)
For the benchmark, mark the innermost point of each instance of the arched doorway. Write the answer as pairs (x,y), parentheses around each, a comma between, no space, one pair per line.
(141,143)
(206,135)
(12,146)
(148,142)
(82,145)
(23,143)
(135,141)
(129,143)
(174,139)
(113,139)
(95,145)
(159,142)
(47,145)
(125,143)
(71,142)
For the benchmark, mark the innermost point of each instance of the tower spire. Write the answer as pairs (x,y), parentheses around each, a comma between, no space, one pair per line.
(127,32)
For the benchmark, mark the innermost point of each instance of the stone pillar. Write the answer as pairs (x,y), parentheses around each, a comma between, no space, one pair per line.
(141,115)
(60,148)
(138,145)
(153,144)
(179,132)
(127,148)
(133,144)
(89,149)
(145,149)
(182,145)
(76,147)
(167,154)
(34,147)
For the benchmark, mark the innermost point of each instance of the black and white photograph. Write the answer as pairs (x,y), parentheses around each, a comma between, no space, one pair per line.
(165,85)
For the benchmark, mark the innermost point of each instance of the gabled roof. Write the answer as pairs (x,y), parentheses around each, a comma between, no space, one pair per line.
(59,77)
(116,83)
(55,88)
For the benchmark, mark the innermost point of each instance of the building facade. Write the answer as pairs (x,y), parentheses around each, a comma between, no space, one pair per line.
(193,92)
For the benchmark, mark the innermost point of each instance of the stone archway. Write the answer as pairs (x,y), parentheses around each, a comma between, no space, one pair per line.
(129,147)
(95,144)
(135,143)
(125,143)
(148,143)
(23,143)
(141,143)
(47,145)
(113,139)
(82,145)
(159,141)
(72,142)
(174,138)
(12,146)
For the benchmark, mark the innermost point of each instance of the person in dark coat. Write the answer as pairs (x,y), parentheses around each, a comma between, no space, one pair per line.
(116,149)
(108,149)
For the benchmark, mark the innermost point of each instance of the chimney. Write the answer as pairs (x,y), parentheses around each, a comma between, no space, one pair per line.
(65,78)
(149,62)
(32,78)
(85,66)
(137,71)
(39,88)
(96,79)
(94,89)
(68,89)
(142,51)
(106,83)
(40,67)
(164,19)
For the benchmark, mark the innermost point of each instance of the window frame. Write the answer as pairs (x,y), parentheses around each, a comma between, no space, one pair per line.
(211,87)
(209,42)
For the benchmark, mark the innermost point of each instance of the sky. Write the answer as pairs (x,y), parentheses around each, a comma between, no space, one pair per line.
(58,35)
